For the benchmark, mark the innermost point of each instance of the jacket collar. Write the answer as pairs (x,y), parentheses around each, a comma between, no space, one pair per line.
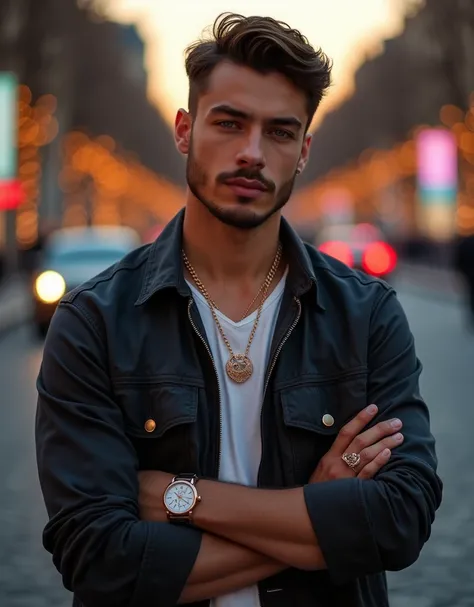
(164,267)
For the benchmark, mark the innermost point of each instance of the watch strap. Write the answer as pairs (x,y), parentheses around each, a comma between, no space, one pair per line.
(187,476)
(177,519)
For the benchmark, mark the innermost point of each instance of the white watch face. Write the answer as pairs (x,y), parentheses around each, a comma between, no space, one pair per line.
(180,498)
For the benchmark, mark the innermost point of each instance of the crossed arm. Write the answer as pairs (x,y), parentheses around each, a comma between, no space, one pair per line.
(248,536)
(252,534)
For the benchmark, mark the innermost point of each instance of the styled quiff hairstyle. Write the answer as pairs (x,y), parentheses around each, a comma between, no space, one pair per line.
(264,45)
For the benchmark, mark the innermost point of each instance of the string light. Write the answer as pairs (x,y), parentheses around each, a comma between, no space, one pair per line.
(37,127)
(377,170)
(94,176)
(111,188)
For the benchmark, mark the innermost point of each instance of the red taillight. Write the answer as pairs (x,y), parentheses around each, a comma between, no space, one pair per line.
(339,250)
(379,258)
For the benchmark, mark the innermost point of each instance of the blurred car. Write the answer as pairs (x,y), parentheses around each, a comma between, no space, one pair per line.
(361,246)
(70,257)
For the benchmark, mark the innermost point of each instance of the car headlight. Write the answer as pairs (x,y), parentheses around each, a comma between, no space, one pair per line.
(50,286)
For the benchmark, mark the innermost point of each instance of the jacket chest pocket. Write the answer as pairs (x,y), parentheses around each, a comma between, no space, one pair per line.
(313,414)
(160,420)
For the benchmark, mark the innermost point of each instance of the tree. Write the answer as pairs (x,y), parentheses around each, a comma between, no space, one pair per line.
(452,27)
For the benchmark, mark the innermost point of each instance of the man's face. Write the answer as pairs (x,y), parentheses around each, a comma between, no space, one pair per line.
(244,144)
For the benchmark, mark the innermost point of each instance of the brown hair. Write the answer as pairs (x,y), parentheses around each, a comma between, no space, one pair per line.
(264,45)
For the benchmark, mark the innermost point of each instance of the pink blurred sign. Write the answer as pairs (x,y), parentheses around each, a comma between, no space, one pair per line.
(437,159)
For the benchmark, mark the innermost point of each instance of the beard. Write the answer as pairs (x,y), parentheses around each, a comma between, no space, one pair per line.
(197,180)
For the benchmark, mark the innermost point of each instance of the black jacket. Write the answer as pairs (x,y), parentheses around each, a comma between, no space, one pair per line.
(128,346)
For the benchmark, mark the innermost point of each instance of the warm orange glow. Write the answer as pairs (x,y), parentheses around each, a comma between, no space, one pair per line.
(27,227)
(459,129)
(466,142)
(28,168)
(37,127)
(74,213)
(24,94)
(450,114)
(469,158)
(47,104)
(116,189)
(465,216)
(469,120)
(106,142)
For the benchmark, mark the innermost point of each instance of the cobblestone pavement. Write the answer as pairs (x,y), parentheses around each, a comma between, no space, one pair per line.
(27,577)
(441,578)
(443,575)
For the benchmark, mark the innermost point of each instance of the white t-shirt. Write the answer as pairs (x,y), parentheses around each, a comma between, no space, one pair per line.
(241,447)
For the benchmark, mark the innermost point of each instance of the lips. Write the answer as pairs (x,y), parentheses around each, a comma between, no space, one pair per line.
(251,184)
(250,188)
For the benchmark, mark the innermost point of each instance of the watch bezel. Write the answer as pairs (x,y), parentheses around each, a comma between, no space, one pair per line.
(196,497)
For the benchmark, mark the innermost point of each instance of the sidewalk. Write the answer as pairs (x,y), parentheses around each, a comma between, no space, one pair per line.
(15,306)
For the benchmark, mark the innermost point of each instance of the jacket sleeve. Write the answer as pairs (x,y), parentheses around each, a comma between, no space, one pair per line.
(88,473)
(369,526)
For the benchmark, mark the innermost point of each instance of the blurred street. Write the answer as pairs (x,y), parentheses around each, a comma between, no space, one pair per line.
(441,578)
(90,170)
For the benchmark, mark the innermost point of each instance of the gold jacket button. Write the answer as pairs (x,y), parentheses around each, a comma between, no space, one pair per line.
(150,425)
(328,420)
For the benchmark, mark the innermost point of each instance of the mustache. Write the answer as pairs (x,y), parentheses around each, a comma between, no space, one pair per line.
(247,174)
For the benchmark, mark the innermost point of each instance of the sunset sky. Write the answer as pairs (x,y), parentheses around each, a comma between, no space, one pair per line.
(347,30)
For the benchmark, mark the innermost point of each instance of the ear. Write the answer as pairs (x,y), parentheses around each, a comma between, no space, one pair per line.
(182,130)
(304,156)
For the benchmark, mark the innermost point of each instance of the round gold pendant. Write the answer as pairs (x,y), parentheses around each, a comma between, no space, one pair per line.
(239,368)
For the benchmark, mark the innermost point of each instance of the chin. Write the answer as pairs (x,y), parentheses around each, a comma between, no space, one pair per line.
(242,216)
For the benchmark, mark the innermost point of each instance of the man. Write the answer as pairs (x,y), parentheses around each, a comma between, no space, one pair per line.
(205,428)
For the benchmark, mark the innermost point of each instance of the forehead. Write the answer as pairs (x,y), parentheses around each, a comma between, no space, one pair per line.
(262,95)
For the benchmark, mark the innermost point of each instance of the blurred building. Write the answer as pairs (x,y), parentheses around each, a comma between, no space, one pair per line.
(95,147)
(365,147)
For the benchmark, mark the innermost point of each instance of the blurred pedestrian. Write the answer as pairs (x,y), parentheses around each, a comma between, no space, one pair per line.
(205,428)
(464,264)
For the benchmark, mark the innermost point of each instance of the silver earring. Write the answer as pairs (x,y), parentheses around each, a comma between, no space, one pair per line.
(298,171)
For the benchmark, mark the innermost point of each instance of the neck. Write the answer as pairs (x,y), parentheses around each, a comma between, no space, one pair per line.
(221,252)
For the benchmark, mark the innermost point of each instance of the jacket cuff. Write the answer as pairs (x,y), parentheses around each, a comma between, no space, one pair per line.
(170,554)
(342,529)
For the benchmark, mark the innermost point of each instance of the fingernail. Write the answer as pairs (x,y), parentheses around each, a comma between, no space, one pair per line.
(386,452)
(398,436)
(372,409)
(396,423)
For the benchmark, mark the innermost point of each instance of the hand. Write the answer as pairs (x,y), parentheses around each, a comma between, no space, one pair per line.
(374,447)
(152,484)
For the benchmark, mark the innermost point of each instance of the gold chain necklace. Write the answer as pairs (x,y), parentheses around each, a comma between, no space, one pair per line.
(249,307)
(239,367)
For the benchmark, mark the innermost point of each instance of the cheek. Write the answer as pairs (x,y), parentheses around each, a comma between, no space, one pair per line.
(283,158)
(208,152)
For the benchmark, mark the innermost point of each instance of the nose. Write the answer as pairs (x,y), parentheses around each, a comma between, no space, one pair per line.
(251,155)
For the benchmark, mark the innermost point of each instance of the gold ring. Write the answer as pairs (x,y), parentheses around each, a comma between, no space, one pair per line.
(351,459)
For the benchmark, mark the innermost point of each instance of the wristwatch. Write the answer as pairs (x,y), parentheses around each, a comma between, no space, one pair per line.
(180,497)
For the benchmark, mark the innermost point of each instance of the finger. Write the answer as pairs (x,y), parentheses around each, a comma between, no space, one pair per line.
(370,453)
(348,432)
(374,435)
(371,469)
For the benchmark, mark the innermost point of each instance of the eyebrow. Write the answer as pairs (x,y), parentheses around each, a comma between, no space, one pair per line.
(277,121)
